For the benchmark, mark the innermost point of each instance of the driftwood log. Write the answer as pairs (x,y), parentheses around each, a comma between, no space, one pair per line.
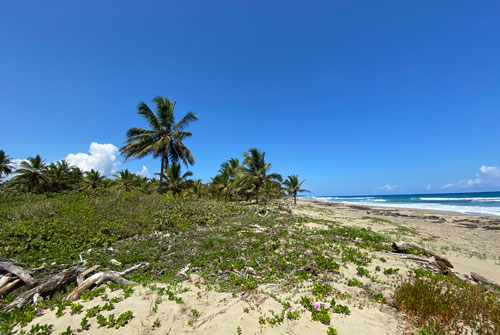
(9,287)
(50,284)
(4,280)
(10,267)
(404,247)
(101,277)
(483,280)
(285,209)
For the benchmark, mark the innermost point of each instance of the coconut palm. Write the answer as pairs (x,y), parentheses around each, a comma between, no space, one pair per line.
(76,175)
(292,186)
(271,189)
(58,176)
(223,181)
(31,173)
(256,170)
(197,188)
(126,180)
(93,179)
(164,139)
(174,180)
(5,164)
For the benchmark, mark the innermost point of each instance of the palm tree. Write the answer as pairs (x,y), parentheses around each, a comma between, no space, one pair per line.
(31,173)
(223,181)
(271,189)
(256,170)
(174,180)
(197,188)
(5,164)
(93,179)
(58,175)
(293,185)
(76,175)
(126,179)
(164,139)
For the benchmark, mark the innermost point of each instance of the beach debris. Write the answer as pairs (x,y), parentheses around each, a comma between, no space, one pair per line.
(262,212)
(101,277)
(10,267)
(483,280)
(196,279)
(115,262)
(285,209)
(413,248)
(183,271)
(9,286)
(251,270)
(49,285)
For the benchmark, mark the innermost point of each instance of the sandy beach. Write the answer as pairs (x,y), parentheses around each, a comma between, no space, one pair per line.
(469,242)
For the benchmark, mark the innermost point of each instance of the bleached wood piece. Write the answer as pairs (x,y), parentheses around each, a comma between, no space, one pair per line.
(51,284)
(16,270)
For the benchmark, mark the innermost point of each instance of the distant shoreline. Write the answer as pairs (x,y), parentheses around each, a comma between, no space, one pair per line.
(395,208)
(478,203)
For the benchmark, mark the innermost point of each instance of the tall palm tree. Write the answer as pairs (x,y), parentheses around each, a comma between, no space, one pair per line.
(58,176)
(256,170)
(164,139)
(293,185)
(5,164)
(31,173)
(176,181)
(126,180)
(93,179)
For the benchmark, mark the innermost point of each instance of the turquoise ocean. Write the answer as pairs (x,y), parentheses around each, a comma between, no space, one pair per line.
(484,203)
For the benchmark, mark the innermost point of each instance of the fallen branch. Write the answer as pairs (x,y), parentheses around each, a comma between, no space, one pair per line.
(283,208)
(81,276)
(51,284)
(406,247)
(101,277)
(9,287)
(483,280)
(183,271)
(16,270)
(4,280)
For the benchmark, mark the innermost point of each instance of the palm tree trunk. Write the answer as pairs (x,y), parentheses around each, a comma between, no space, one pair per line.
(160,188)
(295,198)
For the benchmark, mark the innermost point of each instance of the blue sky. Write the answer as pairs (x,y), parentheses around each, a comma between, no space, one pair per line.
(358,97)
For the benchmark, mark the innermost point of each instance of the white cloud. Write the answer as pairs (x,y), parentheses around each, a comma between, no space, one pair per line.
(102,158)
(388,187)
(15,163)
(144,172)
(428,187)
(488,176)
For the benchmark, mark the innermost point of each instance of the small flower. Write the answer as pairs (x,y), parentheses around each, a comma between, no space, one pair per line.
(40,311)
(266,325)
(301,268)
(63,299)
(47,297)
(290,309)
(317,307)
(287,236)
(312,303)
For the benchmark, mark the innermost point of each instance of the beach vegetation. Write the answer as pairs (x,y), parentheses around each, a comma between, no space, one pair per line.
(445,305)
